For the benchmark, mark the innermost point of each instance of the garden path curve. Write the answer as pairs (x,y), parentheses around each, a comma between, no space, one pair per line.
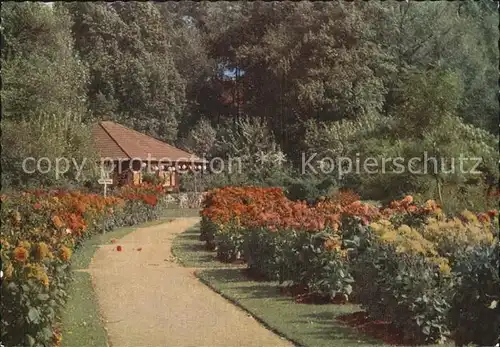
(147,299)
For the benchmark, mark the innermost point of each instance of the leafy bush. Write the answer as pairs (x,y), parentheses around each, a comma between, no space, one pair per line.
(208,230)
(151,178)
(407,276)
(407,290)
(274,255)
(454,236)
(475,313)
(229,243)
(261,250)
(50,137)
(464,196)
(402,262)
(40,230)
(309,188)
(33,292)
(297,258)
(324,270)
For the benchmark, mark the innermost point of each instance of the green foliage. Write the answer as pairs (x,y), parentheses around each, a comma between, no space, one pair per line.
(325,273)
(291,53)
(43,97)
(208,230)
(441,35)
(261,251)
(201,138)
(334,79)
(441,90)
(461,196)
(406,290)
(249,153)
(34,290)
(67,145)
(230,244)
(413,130)
(29,309)
(298,259)
(41,74)
(151,178)
(142,87)
(309,188)
(306,85)
(475,313)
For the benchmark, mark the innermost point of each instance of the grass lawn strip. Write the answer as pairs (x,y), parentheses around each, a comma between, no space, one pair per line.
(191,253)
(304,325)
(81,321)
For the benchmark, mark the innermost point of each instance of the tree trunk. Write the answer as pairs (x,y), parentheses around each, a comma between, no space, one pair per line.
(440,196)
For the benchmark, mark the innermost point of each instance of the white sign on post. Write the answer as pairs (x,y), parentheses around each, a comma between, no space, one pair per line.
(105,182)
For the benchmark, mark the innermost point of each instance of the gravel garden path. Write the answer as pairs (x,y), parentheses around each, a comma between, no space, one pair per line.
(147,299)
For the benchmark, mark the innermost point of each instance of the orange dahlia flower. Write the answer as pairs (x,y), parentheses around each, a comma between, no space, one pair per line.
(65,253)
(57,221)
(21,254)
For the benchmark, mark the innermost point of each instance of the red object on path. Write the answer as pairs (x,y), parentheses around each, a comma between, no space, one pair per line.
(139,249)
(119,248)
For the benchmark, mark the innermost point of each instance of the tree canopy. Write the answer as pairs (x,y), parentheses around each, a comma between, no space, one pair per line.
(340,77)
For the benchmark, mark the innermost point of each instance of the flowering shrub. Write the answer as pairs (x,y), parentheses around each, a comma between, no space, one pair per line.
(312,261)
(455,235)
(230,211)
(282,239)
(40,230)
(264,253)
(147,193)
(322,268)
(229,242)
(254,207)
(407,276)
(405,211)
(404,257)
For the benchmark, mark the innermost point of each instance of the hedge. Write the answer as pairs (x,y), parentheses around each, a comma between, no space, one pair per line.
(430,275)
(40,231)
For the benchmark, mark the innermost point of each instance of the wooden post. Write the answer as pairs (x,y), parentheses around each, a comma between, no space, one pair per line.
(105,182)
(195,189)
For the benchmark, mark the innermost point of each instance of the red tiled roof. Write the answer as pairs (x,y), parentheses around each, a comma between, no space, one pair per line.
(118,142)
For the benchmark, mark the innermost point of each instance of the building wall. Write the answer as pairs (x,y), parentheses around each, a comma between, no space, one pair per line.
(123,175)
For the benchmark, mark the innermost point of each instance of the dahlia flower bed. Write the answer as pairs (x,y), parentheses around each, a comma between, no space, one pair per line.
(39,232)
(433,277)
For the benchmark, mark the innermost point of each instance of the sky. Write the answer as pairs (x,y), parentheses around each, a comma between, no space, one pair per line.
(232,73)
